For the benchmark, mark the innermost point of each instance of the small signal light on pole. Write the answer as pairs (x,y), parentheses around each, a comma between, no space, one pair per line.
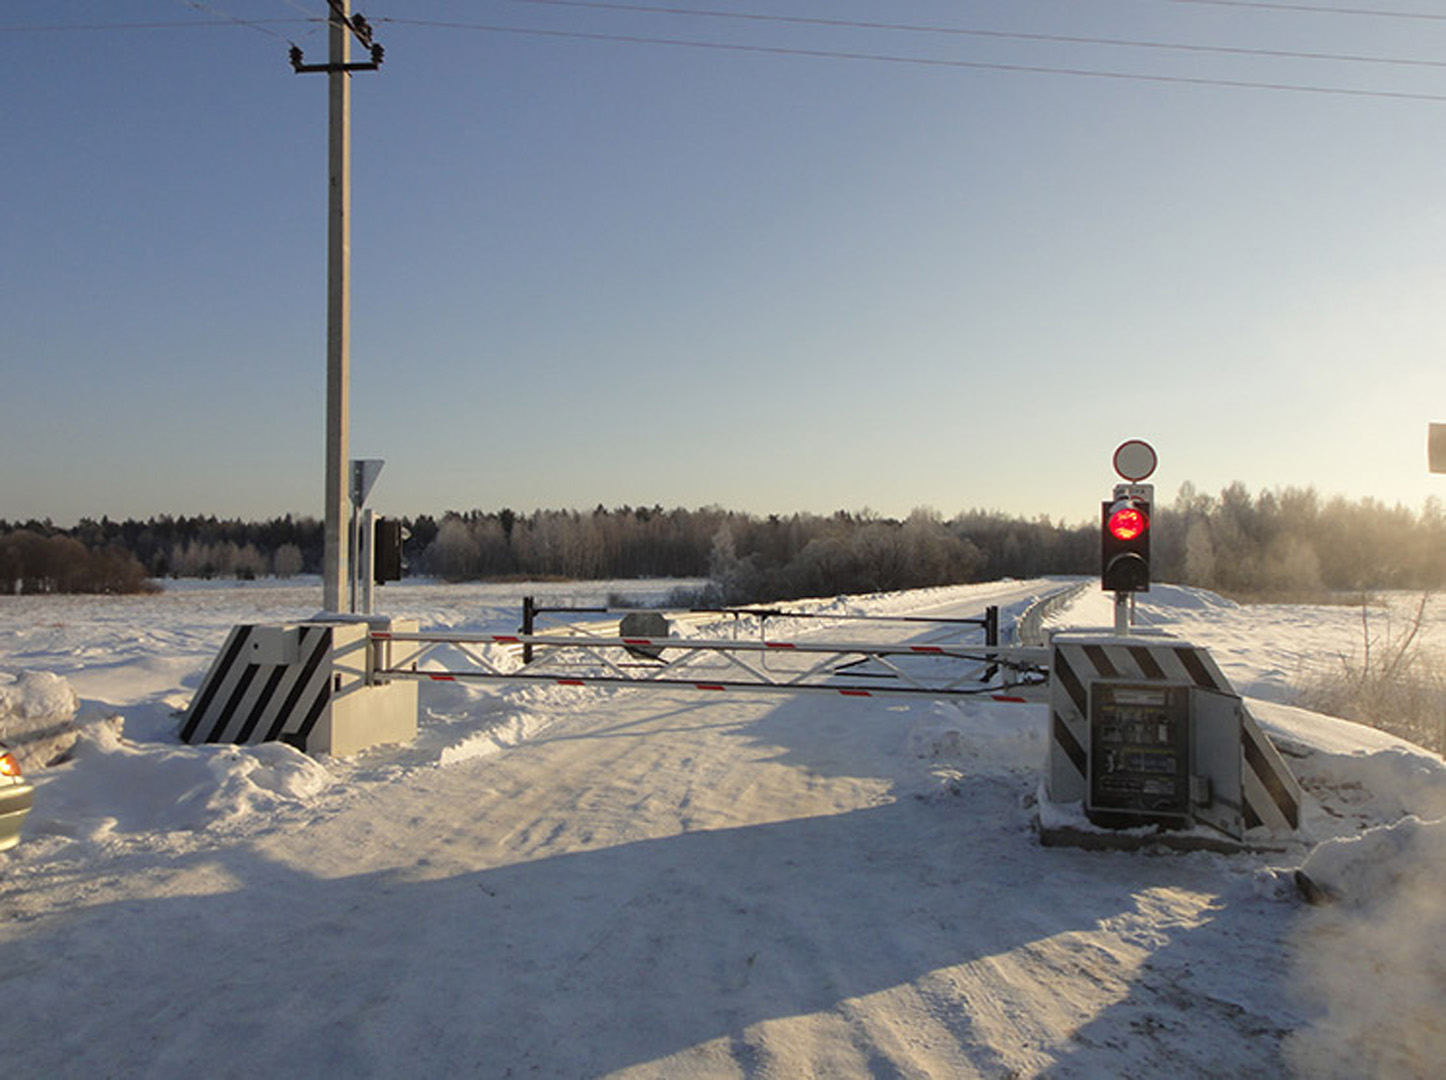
(1125,545)
(389,564)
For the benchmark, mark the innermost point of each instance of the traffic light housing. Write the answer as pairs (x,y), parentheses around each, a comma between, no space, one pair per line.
(387,562)
(1125,544)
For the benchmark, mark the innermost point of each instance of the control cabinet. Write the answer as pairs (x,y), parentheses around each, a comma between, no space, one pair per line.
(1145,730)
(1139,754)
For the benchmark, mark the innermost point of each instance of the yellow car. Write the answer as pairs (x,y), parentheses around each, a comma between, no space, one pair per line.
(15,798)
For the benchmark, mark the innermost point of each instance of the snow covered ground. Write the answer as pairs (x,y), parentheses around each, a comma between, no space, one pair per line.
(564,882)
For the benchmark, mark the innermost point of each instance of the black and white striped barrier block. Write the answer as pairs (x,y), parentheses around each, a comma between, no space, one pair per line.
(1237,781)
(306,684)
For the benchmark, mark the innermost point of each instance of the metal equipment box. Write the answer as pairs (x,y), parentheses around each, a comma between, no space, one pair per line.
(1145,730)
(1139,757)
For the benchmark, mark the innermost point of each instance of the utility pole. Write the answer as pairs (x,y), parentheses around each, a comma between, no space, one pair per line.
(338,68)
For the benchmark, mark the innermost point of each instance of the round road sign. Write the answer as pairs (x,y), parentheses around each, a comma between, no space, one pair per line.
(1135,460)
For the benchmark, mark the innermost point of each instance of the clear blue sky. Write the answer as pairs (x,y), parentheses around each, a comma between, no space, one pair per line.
(589,270)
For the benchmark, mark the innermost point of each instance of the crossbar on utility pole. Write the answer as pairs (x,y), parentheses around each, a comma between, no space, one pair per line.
(336,556)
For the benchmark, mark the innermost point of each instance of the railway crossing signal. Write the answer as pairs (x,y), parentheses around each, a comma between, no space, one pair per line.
(1125,543)
(388,561)
(1125,523)
(1125,527)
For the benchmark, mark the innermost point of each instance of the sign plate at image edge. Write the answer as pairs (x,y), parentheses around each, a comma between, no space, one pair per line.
(1437,448)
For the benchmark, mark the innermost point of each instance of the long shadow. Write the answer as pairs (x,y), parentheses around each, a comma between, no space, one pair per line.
(1216,1001)
(577,965)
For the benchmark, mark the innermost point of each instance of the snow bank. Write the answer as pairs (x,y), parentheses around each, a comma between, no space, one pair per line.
(130,789)
(1372,778)
(36,713)
(1375,961)
(1382,863)
(511,732)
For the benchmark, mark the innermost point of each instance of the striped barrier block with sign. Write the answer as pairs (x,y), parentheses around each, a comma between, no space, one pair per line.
(305,684)
(1148,728)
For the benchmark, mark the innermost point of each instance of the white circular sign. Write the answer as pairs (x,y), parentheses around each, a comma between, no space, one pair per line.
(1135,460)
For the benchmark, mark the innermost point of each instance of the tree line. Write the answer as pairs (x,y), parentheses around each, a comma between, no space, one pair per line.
(1282,544)
(110,556)
(1290,543)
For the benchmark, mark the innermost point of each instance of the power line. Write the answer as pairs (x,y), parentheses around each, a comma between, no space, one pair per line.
(207,9)
(1007,35)
(980,65)
(1313,9)
(608,5)
(215,16)
(311,15)
(262,25)
(187,24)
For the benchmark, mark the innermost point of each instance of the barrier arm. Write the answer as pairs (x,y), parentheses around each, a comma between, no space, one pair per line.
(818,660)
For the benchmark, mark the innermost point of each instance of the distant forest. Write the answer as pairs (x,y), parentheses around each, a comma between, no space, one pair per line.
(1283,544)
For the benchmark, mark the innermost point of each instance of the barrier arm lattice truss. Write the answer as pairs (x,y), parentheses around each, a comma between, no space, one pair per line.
(850,669)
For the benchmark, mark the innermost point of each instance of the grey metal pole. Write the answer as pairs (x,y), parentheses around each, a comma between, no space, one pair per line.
(338,315)
(366,570)
(354,554)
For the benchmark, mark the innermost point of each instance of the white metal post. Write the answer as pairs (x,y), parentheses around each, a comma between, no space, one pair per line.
(338,313)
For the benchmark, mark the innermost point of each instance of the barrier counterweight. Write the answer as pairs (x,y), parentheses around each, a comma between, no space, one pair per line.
(307,684)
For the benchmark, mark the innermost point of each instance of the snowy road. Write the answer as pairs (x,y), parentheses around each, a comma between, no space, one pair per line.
(580,883)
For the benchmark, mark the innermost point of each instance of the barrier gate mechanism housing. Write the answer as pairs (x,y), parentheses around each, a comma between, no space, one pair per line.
(1146,731)
(310,684)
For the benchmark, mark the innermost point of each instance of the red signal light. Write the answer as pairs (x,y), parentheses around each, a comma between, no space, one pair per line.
(1125,544)
(1128,523)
